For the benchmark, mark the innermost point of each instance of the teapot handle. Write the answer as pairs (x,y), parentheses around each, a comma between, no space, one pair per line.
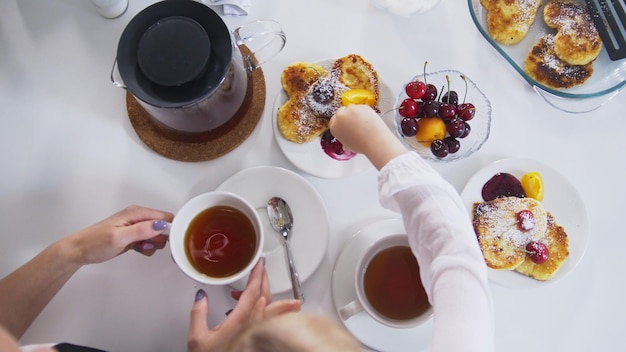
(116,78)
(264,38)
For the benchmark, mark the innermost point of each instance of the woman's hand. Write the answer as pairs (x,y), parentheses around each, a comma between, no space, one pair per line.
(135,227)
(29,288)
(254,303)
(361,130)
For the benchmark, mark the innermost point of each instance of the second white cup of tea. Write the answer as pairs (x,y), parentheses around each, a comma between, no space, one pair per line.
(216,238)
(388,285)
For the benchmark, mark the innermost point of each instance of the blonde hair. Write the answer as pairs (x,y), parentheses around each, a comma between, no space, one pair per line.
(295,332)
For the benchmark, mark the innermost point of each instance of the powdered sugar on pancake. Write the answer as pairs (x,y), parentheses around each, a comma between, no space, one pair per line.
(500,238)
(324,97)
(547,68)
(503,223)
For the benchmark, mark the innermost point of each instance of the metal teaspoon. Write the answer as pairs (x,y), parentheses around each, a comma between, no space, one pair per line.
(282,221)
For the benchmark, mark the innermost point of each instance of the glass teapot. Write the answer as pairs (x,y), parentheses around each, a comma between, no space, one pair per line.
(186,69)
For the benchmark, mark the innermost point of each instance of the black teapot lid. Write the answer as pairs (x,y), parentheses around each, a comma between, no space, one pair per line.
(174,51)
(162,70)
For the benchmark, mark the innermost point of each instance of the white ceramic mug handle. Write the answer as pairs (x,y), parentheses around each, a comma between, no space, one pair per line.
(351,309)
(273,42)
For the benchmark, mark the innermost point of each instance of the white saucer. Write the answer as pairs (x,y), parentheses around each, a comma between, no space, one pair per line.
(309,157)
(365,328)
(310,231)
(561,199)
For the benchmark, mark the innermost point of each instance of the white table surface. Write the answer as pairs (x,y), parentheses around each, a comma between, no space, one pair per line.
(70,157)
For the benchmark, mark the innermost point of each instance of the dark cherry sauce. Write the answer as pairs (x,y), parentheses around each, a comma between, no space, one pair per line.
(502,184)
(334,149)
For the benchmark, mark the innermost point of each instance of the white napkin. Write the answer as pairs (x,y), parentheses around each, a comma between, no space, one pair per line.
(232,7)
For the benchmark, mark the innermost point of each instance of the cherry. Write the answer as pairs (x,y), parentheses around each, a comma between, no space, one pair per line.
(430,108)
(431,93)
(409,126)
(468,129)
(451,97)
(525,220)
(431,90)
(537,251)
(415,89)
(447,111)
(334,148)
(420,109)
(453,144)
(323,93)
(408,108)
(466,111)
(456,127)
(439,148)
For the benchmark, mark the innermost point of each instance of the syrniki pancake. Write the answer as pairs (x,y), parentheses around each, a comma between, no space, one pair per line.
(577,41)
(508,21)
(315,94)
(544,66)
(357,73)
(500,239)
(558,250)
(296,121)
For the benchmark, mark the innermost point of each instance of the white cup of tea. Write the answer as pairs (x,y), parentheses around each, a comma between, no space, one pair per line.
(405,8)
(388,285)
(216,238)
(110,8)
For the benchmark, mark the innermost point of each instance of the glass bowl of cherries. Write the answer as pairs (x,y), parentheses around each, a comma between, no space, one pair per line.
(442,115)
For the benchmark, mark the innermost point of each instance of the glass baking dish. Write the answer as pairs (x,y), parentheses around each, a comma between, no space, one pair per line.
(608,79)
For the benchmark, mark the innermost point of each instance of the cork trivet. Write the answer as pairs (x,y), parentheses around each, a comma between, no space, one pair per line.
(209,147)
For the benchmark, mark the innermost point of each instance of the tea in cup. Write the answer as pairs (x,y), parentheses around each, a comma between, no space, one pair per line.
(388,285)
(216,238)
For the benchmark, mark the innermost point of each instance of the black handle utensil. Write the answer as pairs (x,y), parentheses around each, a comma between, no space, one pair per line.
(609,17)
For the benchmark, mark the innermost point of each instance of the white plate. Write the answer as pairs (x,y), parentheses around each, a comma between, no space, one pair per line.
(309,157)
(310,231)
(561,199)
(366,329)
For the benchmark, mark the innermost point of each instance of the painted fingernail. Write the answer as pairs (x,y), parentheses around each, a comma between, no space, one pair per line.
(264,260)
(159,225)
(229,311)
(200,294)
(137,248)
(147,245)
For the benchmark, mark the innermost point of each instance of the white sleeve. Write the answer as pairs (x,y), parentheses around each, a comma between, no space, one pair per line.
(441,236)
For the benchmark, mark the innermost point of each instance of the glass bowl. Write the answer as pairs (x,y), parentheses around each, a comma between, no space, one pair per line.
(608,79)
(480,124)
